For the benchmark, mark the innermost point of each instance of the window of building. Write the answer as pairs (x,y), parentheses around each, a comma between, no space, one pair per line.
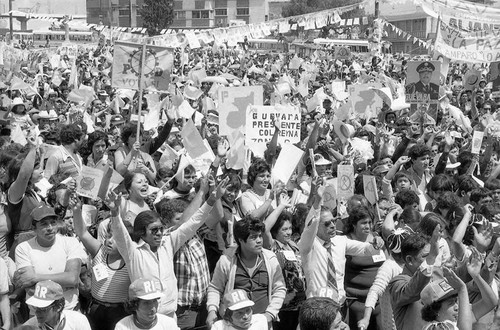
(200,14)
(242,3)
(124,12)
(419,25)
(220,3)
(221,12)
(177,5)
(242,12)
(179,14)
(199,4)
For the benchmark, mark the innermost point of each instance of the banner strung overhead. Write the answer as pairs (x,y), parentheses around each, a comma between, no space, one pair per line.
(127,63)
(458,45)
(463,15)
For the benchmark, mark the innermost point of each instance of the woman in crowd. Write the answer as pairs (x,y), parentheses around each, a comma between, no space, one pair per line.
(97,146)
(258,201)
(278,238)
(130,157)
(110,279)
(360,272)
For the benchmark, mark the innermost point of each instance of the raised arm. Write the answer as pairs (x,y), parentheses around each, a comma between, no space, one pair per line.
(465,315)
(124,242)
(187,230)
(488,298)
(91,244)
(311,225)
(18,188)
(272,218)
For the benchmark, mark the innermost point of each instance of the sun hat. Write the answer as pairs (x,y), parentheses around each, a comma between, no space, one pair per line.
(46,292)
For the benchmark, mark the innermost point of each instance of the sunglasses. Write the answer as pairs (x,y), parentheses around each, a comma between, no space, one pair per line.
(156,230)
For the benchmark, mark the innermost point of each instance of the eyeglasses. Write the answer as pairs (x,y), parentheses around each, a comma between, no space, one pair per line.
(156,230)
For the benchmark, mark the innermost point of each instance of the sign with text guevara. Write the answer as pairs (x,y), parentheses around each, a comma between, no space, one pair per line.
(260,124)
(156,68)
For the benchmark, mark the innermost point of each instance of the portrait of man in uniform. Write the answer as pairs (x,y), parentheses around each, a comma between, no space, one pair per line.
(422,86)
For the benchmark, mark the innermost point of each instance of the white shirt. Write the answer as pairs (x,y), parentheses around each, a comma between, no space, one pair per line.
(72,321)
(315,258)
(259,322)
(164,323)
(51,260)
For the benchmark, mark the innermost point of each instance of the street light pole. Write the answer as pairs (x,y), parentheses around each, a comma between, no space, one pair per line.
(376,9)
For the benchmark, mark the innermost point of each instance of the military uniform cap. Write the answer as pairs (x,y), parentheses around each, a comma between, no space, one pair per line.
(426,67)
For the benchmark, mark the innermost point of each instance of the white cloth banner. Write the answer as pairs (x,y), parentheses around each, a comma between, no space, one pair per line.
(457,45)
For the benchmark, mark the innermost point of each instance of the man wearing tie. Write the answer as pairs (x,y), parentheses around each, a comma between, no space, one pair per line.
(323,252)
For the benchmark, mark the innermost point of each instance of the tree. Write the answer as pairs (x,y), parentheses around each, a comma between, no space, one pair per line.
(157,15)
(301,7)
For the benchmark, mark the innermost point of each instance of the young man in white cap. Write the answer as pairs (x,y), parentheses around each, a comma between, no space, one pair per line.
(48,303)
(239,314)
(321,311)
(49,256)
(144,295)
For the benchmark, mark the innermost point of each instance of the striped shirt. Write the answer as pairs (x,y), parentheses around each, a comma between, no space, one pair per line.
(114,288)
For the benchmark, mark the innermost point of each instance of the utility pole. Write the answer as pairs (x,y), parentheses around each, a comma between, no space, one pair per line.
(11,23)
(376,9)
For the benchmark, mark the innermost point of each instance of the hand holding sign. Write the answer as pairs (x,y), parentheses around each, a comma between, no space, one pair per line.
(477,140)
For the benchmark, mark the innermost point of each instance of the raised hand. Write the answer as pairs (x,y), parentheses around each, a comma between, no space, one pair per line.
(113,203)
(453,280)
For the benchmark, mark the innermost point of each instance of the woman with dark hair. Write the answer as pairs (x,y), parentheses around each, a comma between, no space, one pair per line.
(130,157)
(23,172)
(278,238)
(137,187)
(150,253)
(360,271)
(97,144)
(258,201)
(143,304)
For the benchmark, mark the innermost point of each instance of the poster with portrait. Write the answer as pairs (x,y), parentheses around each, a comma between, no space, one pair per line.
(422,87)
(494,76)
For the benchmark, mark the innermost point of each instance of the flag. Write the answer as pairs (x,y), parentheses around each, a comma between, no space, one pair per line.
(127,61)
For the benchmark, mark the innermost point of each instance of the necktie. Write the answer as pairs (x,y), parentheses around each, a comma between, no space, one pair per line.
(331,274)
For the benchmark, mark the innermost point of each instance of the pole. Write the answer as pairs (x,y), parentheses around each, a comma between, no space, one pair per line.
(143,59)
(11,24)
(377,13)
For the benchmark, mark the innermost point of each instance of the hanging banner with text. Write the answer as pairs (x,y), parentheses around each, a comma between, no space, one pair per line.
(260,121)
(127,60)
(457,45)
(463,15)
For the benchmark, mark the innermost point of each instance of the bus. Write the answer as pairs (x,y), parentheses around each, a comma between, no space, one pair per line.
(55,37)
(267,45)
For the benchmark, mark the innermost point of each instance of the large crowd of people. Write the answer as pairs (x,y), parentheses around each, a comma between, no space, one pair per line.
(174,246)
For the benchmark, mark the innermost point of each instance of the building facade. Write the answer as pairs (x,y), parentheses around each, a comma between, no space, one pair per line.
(123,13)
(188,14)
(410,18)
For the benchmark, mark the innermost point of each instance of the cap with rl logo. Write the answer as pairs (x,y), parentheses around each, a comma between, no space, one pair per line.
(144,289)
(46,292)
(237,299)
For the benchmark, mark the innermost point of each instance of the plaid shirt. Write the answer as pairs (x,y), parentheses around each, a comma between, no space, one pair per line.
(191,270)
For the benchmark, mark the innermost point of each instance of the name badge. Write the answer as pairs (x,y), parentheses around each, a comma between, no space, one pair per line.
(379,257)
(100,272)
(289,255)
